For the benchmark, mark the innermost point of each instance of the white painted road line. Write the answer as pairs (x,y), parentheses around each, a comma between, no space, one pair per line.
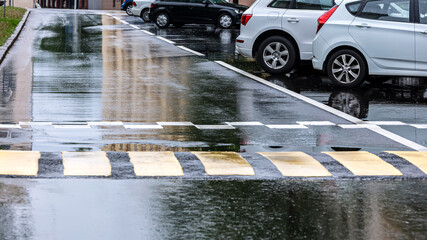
(191,51)
(206,127)
(245,123)
(124,22)
(147,32)
(143,126)
(166,40)
(175,123)
(357,126)
(420,126)
(35,123)
(387,123)
(286,126)
(105,123)
(71,126)
(329,109)
(133,26)
(9,126)
(316,123)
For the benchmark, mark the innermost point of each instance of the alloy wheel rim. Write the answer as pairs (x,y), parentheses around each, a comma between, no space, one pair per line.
(276,55)
(225,21)
(129,10)
(162,19)
(145,15)
(345,68)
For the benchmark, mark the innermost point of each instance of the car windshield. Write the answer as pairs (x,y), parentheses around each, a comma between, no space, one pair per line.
(219,1)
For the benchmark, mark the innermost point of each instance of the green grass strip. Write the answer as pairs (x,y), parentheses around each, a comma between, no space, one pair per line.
(8,24)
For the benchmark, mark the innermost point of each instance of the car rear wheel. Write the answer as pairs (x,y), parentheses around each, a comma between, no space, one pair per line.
(346,68)
(162,20)
(276,55)
(225,21)
(129,9)
(145,15)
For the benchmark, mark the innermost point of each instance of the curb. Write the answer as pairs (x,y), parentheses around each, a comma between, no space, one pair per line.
(5,48)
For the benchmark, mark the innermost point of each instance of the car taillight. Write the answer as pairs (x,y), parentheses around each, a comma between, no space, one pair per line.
(134,3)
(152,5)
(322,19)
(245,19)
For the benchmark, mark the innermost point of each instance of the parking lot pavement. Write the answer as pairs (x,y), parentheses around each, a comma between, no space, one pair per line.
(112,71)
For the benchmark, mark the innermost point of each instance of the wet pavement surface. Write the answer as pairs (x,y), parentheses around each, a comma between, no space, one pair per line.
(92,67)
(68,70)
(173,209)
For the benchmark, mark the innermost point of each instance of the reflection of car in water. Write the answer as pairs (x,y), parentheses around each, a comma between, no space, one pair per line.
(355,102)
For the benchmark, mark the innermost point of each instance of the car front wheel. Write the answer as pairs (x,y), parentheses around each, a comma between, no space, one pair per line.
(346,68)
(225,21)
(129,9)
(276,55)
(162,20)
(145,15)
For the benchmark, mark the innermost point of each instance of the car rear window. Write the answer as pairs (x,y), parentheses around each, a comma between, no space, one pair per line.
(314,4)
(387,10)
(353,7)
(280,4)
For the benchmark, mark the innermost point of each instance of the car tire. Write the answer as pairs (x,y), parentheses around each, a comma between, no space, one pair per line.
(145,15)
(129,9)
(162,20)
(225,21)
(178,25)
(276,55)
(346,68)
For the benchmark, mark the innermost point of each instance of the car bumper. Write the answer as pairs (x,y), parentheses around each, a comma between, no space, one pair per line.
(244,48)
(320,51)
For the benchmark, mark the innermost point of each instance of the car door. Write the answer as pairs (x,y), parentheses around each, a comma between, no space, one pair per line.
(421,37)
(301,21)
(385,32)
(199,11)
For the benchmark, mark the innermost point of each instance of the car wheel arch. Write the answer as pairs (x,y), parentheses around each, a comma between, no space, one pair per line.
(270,33)
(343,48)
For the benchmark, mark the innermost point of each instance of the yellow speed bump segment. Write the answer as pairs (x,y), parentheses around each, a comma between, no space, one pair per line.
(86,164)
(296,164)
(155,164)
(23,163)
(364,163)
(419,159)
(224,163)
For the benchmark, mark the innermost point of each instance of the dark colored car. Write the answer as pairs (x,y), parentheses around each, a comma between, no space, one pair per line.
(180,12)
(127,6)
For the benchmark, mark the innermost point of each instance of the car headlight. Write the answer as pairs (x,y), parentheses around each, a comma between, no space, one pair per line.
(238,11)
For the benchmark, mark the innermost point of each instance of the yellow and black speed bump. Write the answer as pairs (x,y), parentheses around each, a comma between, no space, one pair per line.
(214,165)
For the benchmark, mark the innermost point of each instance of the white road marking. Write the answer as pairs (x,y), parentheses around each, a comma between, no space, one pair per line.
(358,126)
(329,109)
(124,22)
(143,126)
(71,126)
(35,123)
(286,126)
(147,32)
(420,126)
(245,123)
(105,123)
(386,123)
(191,51)
(175,123)
(316,123)
(166,40)
(9,126)
(133,26)
(204,127)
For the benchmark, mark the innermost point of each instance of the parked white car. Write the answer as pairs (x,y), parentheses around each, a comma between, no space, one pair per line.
(279,33)
(381,37)
(141,8)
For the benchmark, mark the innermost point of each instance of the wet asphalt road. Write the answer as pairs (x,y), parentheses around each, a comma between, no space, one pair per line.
(93,68)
